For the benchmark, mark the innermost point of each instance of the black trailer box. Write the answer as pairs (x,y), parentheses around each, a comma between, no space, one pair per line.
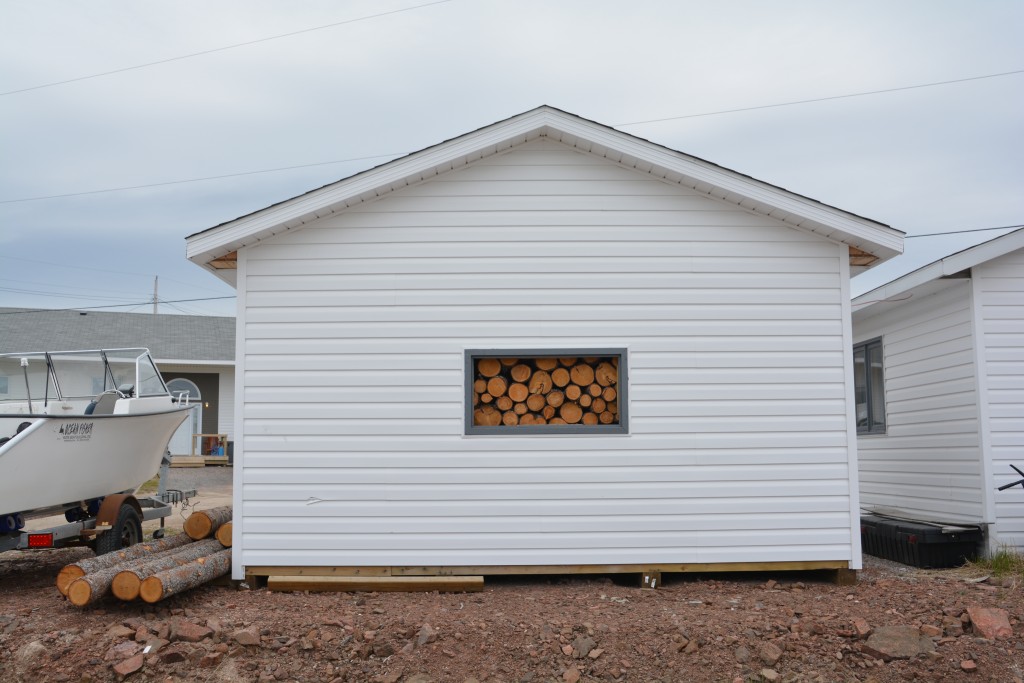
(918,544)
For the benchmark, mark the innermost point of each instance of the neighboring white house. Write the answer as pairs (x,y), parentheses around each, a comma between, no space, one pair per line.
(372,314)
(940,357)
(194,353)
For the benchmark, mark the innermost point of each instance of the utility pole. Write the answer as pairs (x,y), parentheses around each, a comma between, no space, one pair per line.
(156,279)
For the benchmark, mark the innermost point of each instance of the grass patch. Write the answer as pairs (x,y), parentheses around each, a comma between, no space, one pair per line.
(1003,562)
(151,486)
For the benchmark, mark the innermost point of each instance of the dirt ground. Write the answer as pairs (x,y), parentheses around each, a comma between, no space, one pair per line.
(746,627)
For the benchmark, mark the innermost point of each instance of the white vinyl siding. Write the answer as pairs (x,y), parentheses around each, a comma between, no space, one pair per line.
(1000,284)
(355,329)
(927,464)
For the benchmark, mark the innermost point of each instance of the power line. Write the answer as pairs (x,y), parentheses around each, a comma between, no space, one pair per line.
(91,308)
(103,270)
(196,180)
(397,154)
(822,99)
(960,232)
(222,49)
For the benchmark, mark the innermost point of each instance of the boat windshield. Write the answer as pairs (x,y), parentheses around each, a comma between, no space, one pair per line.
(80,374)
(135,367)
(77,374)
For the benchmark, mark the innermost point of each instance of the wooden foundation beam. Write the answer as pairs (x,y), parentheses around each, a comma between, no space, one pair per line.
(348,584)
(845,577)
(563,569)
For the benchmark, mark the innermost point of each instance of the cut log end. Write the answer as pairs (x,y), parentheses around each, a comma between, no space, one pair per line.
(80,592)
(203,523)
(224,534)
(67,576)
(126,586)
(151,590)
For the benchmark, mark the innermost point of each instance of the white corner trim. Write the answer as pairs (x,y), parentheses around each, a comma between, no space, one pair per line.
(852,466)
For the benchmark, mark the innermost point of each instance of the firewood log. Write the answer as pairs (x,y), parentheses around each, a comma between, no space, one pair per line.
(173,581)
(560,377)
(546,364)
(509,362)
(125,584)
(540,383)
(556,421)
(518,392)
(535,402)
(591,360)
(586,400)
(510,419)
(608,394)
(497,386)
(613,408)
(486,398)
(571,413)
(556,398)
(487,416)
(595,390)
(548,412)
(503,403)
(599,405)
(73,571)
(606,418)
(605,374)
(480,386)
(520,409)
(527,419)
(520,373)
(582,375)
(568,362)
(87,589)
(539,419)
(488,367)
(203,523)
(224,534)
(589,419)
(573,392)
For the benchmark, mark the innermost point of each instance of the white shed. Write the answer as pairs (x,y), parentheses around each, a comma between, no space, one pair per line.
(370,311)
(941,413)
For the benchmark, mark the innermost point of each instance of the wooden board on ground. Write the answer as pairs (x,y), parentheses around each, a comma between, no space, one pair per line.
(348,584)
(188,461)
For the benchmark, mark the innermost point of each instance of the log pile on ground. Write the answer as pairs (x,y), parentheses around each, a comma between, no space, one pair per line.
(154,570)
(514,392)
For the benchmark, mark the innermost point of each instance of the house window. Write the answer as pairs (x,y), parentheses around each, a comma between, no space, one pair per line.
(561,391)
(869,387)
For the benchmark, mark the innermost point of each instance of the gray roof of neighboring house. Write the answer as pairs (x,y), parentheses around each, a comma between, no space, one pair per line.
(168,337)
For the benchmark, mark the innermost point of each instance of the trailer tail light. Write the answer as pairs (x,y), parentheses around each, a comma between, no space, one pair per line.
(40,540)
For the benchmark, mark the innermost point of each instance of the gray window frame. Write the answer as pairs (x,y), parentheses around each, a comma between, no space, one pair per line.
(622,389)
(869,391)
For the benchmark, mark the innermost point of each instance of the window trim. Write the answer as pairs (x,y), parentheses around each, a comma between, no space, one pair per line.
(622,389)
(869,390)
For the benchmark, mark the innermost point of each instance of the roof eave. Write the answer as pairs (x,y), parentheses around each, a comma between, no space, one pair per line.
(944,267)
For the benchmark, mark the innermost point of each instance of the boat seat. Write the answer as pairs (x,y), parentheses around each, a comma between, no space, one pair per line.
(103,404)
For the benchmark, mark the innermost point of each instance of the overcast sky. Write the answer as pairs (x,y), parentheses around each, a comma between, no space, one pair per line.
(932,159)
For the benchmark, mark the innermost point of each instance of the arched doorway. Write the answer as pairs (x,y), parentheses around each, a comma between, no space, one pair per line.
(181,442)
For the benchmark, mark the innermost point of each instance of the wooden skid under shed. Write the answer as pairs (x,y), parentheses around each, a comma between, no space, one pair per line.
(346,584)
(842,574)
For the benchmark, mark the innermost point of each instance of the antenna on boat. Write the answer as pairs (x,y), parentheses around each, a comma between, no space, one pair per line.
(28,390)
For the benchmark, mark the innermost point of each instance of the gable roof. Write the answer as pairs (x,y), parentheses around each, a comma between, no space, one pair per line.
(215,248)
(946,267)
(170,338)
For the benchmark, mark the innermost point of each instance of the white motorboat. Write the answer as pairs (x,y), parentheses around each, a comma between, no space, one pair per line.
(76,426)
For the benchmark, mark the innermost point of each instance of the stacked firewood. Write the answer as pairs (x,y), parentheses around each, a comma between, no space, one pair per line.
(158,569)
(545,391)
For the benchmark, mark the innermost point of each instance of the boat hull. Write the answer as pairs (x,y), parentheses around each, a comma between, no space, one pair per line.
(67,459)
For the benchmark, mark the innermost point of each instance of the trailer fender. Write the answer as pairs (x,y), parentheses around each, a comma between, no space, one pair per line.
(111,507)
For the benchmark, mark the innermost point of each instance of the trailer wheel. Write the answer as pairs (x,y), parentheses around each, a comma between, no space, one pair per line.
(126,531)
